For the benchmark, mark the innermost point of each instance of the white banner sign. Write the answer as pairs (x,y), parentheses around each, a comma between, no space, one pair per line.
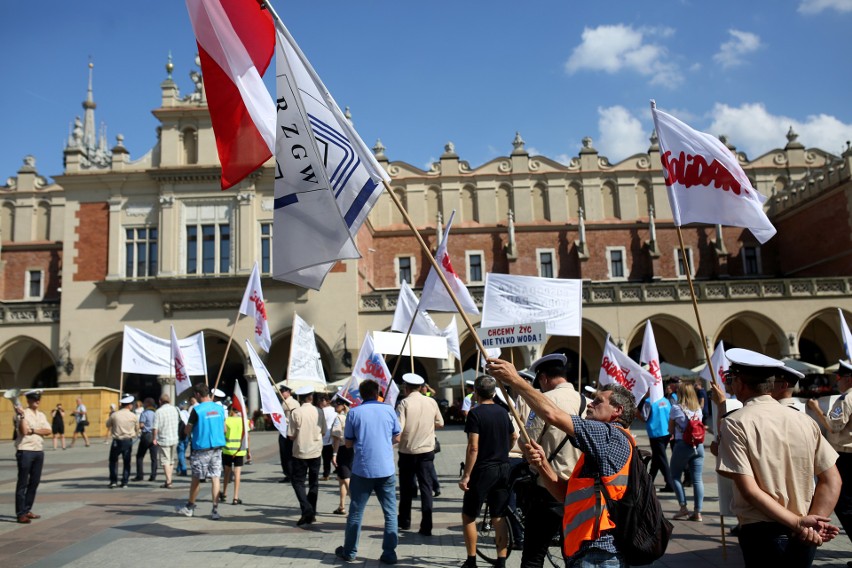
(512,299)
(148,354)
(389,343)
(512,335)
(305,362)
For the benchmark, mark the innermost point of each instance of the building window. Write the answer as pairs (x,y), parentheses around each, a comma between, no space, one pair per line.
(266,248)
(615,258)
(546,259)
(211,244)
(140,251)
(681,266)
(474,267)
(404,269)
(34,290)
(751,260)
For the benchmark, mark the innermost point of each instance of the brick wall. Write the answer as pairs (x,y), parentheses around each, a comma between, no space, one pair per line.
(92,247)
(17,261)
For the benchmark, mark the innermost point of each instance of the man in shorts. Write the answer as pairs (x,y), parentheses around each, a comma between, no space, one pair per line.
(490,435)
(81,417)
(207,428)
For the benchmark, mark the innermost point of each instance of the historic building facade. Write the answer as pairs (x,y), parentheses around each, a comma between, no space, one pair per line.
(152,242)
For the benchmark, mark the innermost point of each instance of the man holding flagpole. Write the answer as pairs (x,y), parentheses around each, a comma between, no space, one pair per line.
(306,429)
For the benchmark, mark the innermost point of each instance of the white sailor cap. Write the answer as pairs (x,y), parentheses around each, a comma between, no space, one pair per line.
(34,393)
(217,393)
(844,368)
(470,382)
(548,361)
(307,389)
(338,399)
(589,389)
(128,399)
(413,379)
(758,361)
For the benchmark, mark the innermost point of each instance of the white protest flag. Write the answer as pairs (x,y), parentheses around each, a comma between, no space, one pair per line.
(371,365)
(392,394)
(148,354)
(326,179)
(845,335)
(451,334)
(407,309)
(435,296)
(511,300)
(719,363)
(182,381)
(254,305)
(240,405)
(651,356)
(350,391)
(617,367)
(269,402)
(493,353)
(305,362)
(705,182)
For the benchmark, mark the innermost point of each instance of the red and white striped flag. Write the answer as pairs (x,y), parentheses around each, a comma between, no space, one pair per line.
(236,40)
(240,404)
(705,182)
(651,356)
(617,367)
(254,305)
(182,381)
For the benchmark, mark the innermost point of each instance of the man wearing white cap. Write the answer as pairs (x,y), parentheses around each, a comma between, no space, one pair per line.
(207,426)
(419,416)
(285,444)
(838,424)
(544,512)
(123,426)
(773,454)
(307,427)
(31,426)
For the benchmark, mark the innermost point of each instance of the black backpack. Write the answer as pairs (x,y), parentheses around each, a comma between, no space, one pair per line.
(641,531)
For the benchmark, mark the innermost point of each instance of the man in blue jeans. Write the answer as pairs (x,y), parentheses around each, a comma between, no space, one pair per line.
(372,428)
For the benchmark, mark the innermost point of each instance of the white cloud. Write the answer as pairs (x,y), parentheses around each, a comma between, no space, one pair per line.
(621,133)
(619,47)
(817,6)
(754,130)
(732,52)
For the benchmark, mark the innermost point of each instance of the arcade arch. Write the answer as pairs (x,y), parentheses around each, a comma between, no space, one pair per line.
(26,363)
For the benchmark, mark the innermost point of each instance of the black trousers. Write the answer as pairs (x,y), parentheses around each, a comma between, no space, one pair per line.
(123,448)
(300,470)
(146,445)
(542,522)
(285,452)
(416,468)
(771,544)
(843,509)
(30,465)
(327,452)
(659,459)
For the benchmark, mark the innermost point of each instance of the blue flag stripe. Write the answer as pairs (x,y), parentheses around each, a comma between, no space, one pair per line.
(285,200)
(329,134)
(360,201)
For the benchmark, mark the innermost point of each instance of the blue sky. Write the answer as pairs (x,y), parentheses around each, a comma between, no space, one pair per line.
(420,74)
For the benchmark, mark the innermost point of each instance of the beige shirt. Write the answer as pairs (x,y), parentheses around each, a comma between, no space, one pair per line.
(781,449)
(33,442)
(123,424)
(840,421)
(288,405)
(307,426)
(339,425)
(567,399)
(418,417)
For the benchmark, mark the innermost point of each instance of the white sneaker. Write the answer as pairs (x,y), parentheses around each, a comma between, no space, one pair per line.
(186,510)
(214,516)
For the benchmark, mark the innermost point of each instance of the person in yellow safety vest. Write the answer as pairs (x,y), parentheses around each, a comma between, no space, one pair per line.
(236,446)
(607,448)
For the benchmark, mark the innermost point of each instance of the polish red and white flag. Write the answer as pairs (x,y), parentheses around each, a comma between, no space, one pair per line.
(236,40)
(254,305)
(704,180)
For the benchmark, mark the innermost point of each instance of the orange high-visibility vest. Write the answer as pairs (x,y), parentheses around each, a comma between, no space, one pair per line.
(579,518)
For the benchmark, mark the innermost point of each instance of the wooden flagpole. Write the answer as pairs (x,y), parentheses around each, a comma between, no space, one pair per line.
(580,361)
(227,347)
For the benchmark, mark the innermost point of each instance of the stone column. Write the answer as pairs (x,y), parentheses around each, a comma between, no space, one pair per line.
(253,394)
